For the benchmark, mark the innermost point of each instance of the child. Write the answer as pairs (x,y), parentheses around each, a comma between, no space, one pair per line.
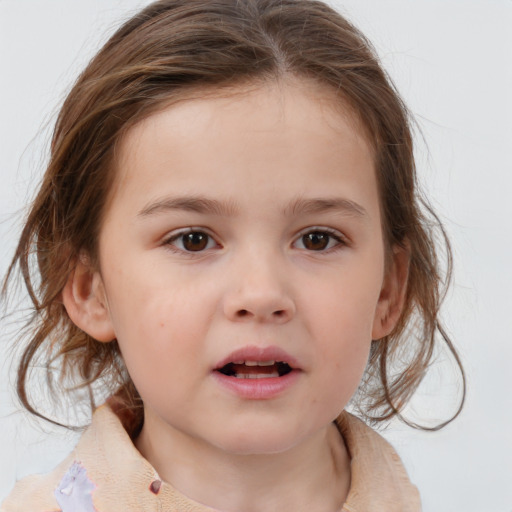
(229,241)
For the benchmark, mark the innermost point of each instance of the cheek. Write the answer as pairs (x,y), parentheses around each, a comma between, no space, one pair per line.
(156,321)
(341,321)
(157,327)
(344,307)
(158,344)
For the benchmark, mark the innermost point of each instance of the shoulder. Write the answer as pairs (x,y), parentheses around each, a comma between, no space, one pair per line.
(378,477)
(36,492)
(54,490)
(104,472)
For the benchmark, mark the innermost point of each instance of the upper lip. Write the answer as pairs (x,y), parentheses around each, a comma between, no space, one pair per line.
(258,354)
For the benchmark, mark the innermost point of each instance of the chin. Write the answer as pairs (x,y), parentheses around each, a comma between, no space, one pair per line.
(258,441)
(257,447)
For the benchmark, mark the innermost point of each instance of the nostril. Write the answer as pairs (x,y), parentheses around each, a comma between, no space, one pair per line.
(279,315)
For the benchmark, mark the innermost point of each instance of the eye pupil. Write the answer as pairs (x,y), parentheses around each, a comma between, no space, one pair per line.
(315,241)
(195,241)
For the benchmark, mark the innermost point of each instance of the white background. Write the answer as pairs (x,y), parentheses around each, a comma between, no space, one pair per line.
(452,61)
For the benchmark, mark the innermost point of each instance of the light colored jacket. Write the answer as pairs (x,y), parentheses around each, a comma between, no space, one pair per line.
(106,473)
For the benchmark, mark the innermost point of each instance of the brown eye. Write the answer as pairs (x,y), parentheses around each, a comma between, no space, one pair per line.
(316,241)
(195,241)
(191,241)
(319,240)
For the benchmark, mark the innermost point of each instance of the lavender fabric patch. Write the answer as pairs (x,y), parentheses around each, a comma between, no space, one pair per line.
(74,493)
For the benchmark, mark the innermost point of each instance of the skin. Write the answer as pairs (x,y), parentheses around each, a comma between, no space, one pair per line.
(266,155)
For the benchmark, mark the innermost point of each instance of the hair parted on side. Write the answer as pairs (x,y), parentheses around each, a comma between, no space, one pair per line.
(160,55)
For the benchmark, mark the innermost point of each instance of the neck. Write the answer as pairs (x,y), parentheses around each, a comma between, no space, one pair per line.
(313,476)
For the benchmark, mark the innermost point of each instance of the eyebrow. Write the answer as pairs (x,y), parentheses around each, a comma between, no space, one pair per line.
(321,205)
(196,204)
(204,205)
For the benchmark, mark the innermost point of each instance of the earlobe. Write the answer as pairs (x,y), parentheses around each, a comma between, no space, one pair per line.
(86,303)
(393,293)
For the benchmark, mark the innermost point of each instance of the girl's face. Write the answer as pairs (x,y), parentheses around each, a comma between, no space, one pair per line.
(242,266)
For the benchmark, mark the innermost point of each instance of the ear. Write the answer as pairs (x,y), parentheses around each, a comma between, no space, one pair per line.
(86,303)
(393,292)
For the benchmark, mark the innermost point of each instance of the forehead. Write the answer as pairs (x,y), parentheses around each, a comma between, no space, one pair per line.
(239,138)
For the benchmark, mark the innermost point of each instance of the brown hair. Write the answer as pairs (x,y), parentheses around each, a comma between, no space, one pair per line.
(165,50)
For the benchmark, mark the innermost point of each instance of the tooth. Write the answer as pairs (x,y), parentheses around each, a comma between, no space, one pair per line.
(238,362)
(256,375)
(259,363)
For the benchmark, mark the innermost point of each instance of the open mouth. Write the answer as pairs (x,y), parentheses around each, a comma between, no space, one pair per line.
(255,369)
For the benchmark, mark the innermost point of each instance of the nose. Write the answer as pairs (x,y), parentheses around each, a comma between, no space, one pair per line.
(259,291)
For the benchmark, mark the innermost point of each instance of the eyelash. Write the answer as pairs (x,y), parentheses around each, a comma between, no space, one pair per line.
(319,231)
(169,242)
(332,234)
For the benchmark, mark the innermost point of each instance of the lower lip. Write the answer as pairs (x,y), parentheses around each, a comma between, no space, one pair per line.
(257,389)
